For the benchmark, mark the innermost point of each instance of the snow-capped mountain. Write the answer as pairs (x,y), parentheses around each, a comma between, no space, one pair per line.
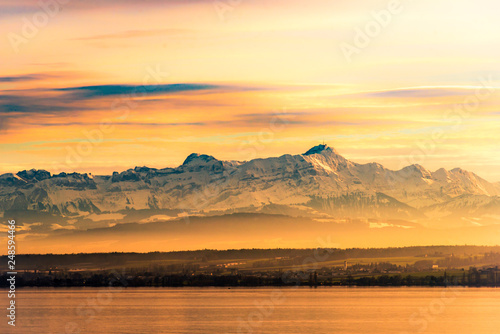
(319,183)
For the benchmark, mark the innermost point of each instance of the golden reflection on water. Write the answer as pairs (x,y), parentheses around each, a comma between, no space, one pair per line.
(257,310)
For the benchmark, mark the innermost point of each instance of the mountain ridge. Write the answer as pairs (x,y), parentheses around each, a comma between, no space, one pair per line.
(204,184)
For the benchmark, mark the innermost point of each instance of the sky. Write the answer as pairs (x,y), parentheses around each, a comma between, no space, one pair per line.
(103,86)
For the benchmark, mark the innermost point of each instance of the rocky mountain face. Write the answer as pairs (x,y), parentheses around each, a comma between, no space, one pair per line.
(319,183)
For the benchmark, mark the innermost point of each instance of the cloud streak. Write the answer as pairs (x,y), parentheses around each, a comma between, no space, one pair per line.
(89,92)
(25,77)
(23,7)
(134,124)
(418,92)
(137,34)
(70,101)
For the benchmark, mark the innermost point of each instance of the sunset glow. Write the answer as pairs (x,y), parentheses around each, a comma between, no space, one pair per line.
(241,67)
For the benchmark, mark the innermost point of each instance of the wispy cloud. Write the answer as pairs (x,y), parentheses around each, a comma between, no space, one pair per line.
(137,34)
(419,92)
(69,101)
(26,77)
(13,7)
(89,92)
(24,103)
(134,124)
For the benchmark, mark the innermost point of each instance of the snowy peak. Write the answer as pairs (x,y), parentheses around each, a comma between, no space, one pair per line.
(11,180)
(417,170)
(442,175)
(34,175)
(320,149)
(198,159)
(196,163)
(324,158)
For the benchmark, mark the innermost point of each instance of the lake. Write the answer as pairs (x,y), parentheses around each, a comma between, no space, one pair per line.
(255,310)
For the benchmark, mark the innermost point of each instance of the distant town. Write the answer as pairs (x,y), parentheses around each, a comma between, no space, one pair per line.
(408,266)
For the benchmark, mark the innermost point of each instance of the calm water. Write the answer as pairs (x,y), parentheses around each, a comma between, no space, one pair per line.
(259,310)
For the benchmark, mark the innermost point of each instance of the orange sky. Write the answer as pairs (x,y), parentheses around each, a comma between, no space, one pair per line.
(98,86)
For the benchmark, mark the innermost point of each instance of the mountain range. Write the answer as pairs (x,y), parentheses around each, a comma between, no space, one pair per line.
(319,184)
